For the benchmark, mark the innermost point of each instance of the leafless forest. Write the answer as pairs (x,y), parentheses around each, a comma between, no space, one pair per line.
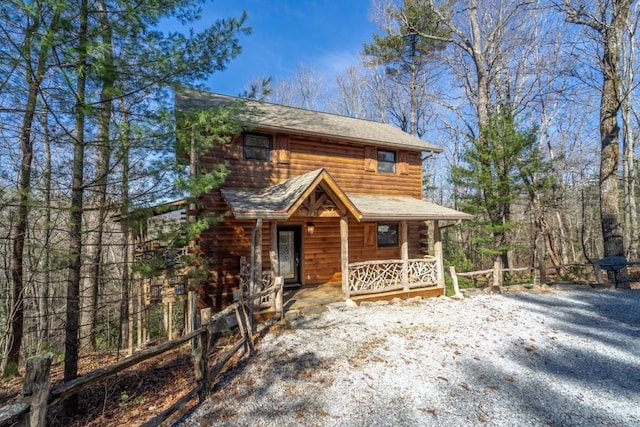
(535,103)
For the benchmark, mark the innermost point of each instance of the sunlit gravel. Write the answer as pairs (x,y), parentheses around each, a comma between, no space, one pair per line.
(562,358)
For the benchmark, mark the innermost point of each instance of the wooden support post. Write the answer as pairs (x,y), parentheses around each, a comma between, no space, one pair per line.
(130,319)
(344,254)
(258,259)
(437,251)
(165,319)
(170,327)
(139,313)
(279,303)
(256,271)
(191,314)
(273,248)
(36,386)
(404,253)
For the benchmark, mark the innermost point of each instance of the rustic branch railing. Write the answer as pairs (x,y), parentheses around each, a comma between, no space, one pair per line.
(31,410)
(383,276)
(151,249)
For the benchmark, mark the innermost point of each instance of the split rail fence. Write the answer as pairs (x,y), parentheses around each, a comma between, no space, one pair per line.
(495,275)
(31,410)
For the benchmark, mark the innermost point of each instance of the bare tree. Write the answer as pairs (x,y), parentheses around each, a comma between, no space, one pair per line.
(307,89)
(607,20)
(629,117)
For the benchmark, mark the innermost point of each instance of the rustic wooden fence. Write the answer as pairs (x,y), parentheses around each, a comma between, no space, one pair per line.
(31,410)
(496,273)
(495,276)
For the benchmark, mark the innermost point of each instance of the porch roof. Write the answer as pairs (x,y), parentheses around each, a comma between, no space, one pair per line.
(280,201)
(385,208)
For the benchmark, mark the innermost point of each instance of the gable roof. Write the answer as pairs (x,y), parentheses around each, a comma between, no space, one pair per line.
(276,117)
(280,201)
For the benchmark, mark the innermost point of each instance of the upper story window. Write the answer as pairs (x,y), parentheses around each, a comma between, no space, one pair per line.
(257,147)
(387,235)
(386,161)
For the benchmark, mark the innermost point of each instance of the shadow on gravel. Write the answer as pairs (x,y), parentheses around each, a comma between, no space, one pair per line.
(583,370)
(282,368)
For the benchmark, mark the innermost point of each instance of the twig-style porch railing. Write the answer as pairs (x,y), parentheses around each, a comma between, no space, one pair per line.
(371,277)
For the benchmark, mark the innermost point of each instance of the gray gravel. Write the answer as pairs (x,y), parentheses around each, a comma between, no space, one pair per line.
(565,358)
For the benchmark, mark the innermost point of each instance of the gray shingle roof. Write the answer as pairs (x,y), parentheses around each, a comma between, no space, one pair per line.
(271,202)
(275,202)
(296,120)
(385,208)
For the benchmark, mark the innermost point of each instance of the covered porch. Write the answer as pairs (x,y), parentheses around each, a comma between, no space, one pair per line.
(345,227)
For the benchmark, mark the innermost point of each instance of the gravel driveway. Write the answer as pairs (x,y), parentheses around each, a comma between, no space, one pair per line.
(563,358)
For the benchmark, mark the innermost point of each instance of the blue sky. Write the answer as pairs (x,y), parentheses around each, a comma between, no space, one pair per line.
(324,34)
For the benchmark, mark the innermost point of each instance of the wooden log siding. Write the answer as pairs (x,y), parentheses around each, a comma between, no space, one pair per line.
(345,162)
(293,155)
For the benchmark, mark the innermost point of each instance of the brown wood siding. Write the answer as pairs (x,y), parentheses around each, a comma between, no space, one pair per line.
(345,162)
(225,242)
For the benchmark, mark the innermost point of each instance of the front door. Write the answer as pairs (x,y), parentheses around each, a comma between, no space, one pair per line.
(289,254)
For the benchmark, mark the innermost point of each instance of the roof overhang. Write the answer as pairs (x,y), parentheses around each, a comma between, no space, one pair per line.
(279,202)
(280,118)
(399,208)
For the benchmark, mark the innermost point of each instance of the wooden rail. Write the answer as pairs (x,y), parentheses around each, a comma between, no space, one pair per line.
(497,275)
(388,275)
(497,272)
(37,395)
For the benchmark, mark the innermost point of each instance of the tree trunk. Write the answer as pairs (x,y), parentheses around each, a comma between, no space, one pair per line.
(628,143)
(102,172)
(43,318)
(127,240)
(72,341)
(33,79)
(609,133)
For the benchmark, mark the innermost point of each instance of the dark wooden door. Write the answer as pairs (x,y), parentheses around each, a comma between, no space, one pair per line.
(289,254)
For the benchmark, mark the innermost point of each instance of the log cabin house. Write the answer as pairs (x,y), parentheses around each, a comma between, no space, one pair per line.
(319,199)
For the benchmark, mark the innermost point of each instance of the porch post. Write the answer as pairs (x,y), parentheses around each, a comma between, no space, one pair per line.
(344,254)
(404,253)
(273,248)
(437,249)
(258,258)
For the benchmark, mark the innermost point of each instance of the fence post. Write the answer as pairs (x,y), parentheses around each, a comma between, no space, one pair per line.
(279,297)
(200,354)
(598,272)
(454,280)
(36,385)
(497,275)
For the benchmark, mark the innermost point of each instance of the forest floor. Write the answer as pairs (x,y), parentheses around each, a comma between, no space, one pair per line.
(132,397)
